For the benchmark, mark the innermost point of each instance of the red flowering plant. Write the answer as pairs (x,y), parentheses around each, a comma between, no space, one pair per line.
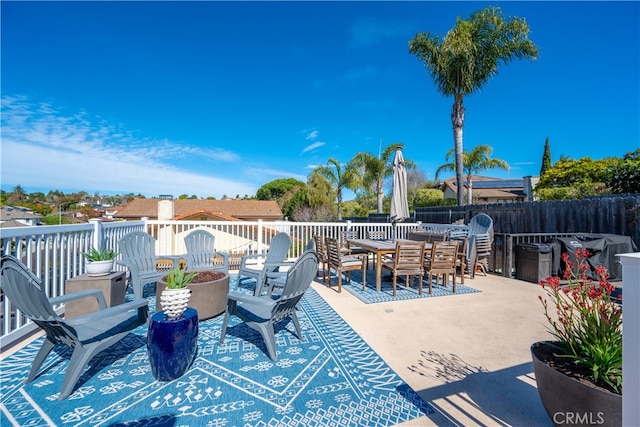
(588,323)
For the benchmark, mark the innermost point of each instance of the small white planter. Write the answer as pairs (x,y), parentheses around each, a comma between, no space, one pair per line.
(99,268)
(174,301)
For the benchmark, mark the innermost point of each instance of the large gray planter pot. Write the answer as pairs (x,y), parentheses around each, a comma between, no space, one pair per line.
(570,402)
(208,298)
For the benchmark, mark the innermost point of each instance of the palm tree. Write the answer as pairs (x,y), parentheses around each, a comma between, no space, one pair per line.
(466,58)
(375,169)
(340,178)
(475,161)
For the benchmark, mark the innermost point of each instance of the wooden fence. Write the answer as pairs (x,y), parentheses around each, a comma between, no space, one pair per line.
(611,215)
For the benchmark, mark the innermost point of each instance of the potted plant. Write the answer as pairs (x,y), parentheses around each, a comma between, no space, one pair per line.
(175,297)
(99,261)
(579,373)
(209,289)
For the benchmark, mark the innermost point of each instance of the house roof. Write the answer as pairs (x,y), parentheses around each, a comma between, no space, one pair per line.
(495,194)
(12,223)
(239,209)
(112,208)
(8,213)
(490,188)
(498,183)
(217,216)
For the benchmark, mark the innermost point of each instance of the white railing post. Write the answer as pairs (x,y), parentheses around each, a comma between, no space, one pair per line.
(259,237)
(98,233)
(630,339)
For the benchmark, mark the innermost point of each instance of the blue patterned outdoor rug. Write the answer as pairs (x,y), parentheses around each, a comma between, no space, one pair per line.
(371,296)
(332,377)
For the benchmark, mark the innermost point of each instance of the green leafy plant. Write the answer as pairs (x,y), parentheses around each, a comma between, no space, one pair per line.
(99,254)
(587,323)
(178,278)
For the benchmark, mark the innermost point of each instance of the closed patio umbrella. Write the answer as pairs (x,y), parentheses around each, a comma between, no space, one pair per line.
(399,204)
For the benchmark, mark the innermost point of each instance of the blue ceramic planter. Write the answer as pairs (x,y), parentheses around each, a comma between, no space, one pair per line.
(172,344)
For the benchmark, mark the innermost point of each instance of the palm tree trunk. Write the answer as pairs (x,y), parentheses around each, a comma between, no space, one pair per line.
(339,205)
(457,120)
(469,189)
(380,195)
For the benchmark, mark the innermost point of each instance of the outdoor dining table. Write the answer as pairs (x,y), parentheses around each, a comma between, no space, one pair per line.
(380,248)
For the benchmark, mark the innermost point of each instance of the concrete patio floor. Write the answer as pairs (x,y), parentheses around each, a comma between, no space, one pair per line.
(466,355)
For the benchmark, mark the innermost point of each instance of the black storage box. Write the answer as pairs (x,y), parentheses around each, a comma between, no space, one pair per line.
(533,261)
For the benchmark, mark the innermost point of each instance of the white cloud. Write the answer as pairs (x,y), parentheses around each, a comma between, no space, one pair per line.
(43,149)
(313,146)
(312,135)
(72,171)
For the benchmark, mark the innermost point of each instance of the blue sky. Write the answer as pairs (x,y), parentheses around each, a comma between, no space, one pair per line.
(213,98)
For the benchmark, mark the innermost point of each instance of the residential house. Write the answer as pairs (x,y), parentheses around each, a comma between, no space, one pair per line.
(494,190)
(18,216)
(194,209)
(110,212)
(242,241)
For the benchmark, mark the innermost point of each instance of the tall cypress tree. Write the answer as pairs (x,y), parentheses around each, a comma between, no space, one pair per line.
(546,158)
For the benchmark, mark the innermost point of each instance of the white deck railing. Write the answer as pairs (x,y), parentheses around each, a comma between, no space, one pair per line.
(631,339)
(54,253)
(254,236)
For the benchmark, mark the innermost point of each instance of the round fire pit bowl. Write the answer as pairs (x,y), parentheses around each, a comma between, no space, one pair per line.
(209,292)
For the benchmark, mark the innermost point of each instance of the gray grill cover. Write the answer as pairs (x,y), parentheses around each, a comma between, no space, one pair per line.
(602,247)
